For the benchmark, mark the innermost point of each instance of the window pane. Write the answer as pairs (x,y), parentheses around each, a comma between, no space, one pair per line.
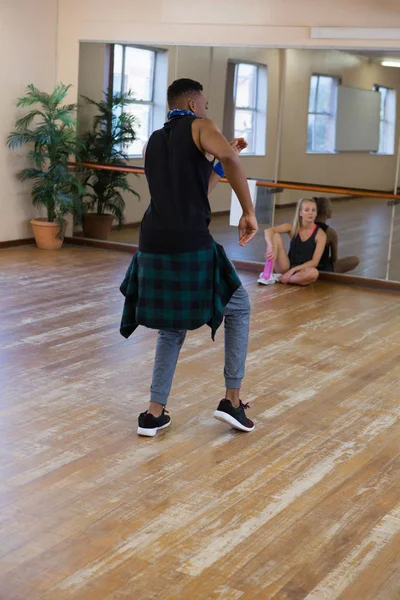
(383,92)
(388,120)
(321,124)
(143,114)
(323,130)
(390,138)
(386,137)
(382,137)
(391,106)
(139,68)
(313,93)
(117,71)
(244,127)
(382,109)
(325,95)
(310,135)
(117,112)
(246,85)
(321,133)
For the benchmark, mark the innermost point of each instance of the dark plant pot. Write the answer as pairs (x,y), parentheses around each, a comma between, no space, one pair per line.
(97,227)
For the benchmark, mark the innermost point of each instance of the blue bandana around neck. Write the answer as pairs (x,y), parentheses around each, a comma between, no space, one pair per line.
(177,112)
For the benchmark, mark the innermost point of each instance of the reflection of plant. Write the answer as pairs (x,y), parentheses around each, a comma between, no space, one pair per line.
(53,139)
(113,130)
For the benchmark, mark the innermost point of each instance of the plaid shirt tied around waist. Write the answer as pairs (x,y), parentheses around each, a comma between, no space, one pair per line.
(177,291)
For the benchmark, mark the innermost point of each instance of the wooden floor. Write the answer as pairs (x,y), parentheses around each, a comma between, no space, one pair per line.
(305,507)
(362,224)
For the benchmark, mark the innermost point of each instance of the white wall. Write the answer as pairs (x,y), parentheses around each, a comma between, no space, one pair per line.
(227,22)
(28,50)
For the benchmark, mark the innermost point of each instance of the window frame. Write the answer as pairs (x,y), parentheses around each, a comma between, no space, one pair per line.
(377,88)
(259,110)
(332,114)
(151,103)
(252,109)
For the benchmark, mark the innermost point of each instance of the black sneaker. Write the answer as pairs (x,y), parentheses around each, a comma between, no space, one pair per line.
(149,425)
(236,417)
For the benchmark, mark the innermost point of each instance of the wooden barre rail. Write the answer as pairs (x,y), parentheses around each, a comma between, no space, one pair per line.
(287,185)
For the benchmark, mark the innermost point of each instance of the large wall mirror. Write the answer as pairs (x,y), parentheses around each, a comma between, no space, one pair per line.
(324,117)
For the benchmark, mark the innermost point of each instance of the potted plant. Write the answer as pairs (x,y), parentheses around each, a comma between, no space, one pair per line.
(112,131)
(50,130)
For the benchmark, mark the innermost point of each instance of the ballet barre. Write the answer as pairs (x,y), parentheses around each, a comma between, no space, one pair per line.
(286,185)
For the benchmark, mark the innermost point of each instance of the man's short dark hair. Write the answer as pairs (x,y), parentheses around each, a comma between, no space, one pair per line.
(182,87)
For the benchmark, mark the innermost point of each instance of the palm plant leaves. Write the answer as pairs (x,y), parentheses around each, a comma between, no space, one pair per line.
(132,191)
(50,130)
(16,139)
(112,131)
(58,95)
(33,96)
(30,173)
(65,116)
(25,121)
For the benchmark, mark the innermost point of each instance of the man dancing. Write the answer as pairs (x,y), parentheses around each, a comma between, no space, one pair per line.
(180,278)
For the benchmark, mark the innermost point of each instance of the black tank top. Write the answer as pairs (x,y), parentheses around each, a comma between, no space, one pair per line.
(326,262)
(301,252)
(178,174)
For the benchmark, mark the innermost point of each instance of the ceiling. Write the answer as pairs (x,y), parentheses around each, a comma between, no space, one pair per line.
(376,55)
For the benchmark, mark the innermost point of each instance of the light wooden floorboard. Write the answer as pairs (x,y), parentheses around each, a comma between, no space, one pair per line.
(305,507)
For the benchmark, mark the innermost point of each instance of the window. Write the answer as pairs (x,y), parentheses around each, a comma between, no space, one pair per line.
(134,69)
(246,105)
(322,114)
(246,80)
(387,123)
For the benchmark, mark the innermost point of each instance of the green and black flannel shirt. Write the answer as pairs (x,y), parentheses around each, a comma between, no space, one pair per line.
(178,291)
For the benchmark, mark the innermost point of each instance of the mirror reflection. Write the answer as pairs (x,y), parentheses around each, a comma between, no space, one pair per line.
(322,117)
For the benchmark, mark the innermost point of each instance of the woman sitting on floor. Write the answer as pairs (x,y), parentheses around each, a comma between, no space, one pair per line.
(307,245)
(330,260)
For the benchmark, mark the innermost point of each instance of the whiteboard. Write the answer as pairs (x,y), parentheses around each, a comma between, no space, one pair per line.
(357,123)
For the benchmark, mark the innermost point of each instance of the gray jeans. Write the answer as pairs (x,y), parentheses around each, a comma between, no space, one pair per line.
(169,344)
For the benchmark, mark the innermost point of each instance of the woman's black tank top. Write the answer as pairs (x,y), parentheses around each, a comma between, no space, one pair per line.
(301,252)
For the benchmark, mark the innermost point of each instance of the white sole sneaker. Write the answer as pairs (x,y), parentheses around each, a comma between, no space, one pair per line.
(152,431)
(225,418)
